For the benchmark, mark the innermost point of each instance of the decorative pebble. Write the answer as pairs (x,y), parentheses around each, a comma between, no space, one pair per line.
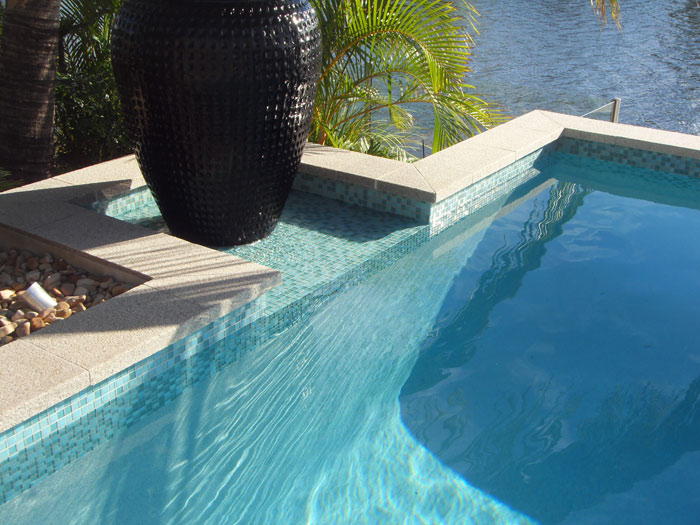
(34,275)
(36,323)
(23,328)
(53,280)
(32,263)
(7,329)
(46,312)
(118,290)
(74,288)
(62,305)
(85,282)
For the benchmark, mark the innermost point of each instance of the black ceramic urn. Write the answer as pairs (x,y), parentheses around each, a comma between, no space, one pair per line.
(218,97)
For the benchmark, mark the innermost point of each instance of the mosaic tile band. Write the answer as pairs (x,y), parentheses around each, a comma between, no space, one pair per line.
(43,444)
(365,197)
(637,158)
(346,245)
(465,202)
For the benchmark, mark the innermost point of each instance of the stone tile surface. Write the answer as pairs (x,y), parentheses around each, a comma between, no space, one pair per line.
(626,135)
(408,181)
(345,166)
(32,380)
(516,137)
(126,329)
(459,166)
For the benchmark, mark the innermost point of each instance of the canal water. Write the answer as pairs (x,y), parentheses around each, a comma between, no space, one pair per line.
(553,55)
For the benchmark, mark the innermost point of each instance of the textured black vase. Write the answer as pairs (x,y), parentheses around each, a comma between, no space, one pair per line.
(218,96)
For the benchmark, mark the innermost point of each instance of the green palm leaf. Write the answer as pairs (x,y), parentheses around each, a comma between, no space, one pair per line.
(601,8)
(382,58)
(85,32)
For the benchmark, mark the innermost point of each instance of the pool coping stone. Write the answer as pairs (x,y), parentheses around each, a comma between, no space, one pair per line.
(188,286)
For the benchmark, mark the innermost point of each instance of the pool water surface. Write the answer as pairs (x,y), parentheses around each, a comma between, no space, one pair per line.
(536,362)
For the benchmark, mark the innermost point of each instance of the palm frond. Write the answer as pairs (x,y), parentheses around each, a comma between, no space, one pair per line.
(383,57)
(601,8)
(85,32)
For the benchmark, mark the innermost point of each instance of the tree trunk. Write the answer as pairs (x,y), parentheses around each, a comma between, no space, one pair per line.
(28,49)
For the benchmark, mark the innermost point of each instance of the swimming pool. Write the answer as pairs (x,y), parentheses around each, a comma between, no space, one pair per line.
(535,361)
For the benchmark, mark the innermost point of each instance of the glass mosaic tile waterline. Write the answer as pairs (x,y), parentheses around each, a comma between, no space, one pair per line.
(321,246)
(57,436)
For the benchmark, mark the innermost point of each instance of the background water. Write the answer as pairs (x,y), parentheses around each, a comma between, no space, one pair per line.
(553,55)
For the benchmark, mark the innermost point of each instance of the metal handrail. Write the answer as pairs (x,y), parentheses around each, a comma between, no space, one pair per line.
(613,105)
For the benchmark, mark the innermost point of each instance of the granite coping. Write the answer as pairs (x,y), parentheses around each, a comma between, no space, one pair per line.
(182,287)
(446,172)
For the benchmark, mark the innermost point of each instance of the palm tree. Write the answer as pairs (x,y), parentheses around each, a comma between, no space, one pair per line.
(27,80)
(383,58)
(89,127)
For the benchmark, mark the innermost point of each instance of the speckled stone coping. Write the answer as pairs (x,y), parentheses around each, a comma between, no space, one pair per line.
(187,291)
(443,174)
(186,286)
(182,287)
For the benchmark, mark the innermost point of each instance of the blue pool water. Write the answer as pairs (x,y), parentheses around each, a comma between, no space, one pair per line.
(536,362)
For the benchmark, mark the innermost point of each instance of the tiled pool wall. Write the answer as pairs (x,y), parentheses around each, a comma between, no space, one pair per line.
(465,202)
(633,157)
(124,203)
(364,197)
(43,444)
(46,442)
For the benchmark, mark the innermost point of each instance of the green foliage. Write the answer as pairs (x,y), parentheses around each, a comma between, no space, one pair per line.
(382,59)
(601,8)
(5,182)
(89,127)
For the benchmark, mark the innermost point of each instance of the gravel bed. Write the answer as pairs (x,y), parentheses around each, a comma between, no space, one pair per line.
(74,290)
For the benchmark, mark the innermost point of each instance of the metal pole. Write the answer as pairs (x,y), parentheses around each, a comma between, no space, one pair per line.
(615,113)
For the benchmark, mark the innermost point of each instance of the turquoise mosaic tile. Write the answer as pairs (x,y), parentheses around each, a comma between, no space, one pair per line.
(321,246)
(331,236)
(465,202)
(365,197)
(342,239)
(125,203)
(634,157)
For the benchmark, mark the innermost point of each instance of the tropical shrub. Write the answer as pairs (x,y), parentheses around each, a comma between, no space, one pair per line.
(5,182)
(89,127)
(384,58)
